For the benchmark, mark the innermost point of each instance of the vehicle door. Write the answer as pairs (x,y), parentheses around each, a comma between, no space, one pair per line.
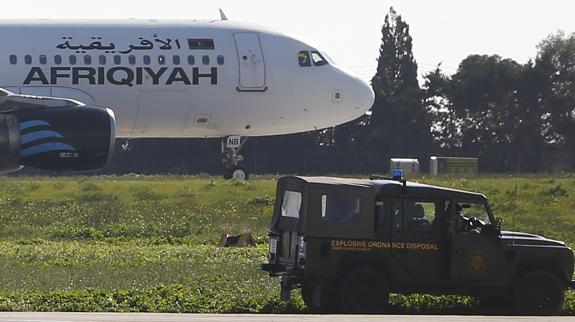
(475,253)
(289,212)
(416,232)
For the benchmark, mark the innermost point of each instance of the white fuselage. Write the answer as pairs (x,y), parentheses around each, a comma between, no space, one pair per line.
(181,79)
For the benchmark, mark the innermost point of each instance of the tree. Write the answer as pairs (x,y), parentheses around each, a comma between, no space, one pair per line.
(556,63)
(399,125)
(445,126)
(489,109)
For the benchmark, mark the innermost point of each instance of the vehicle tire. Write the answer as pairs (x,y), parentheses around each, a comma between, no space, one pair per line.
(307,295)
(364,291)
(327,303)
(237,173)
(538,293)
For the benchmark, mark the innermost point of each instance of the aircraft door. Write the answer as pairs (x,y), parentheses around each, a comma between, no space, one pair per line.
(251,62)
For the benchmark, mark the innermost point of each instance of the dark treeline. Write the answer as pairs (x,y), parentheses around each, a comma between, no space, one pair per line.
(513,117)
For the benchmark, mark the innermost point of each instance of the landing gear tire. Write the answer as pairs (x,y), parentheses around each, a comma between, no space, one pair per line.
(231,147)
(237,173)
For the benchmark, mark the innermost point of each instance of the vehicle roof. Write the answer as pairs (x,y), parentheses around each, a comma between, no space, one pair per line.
(394,188)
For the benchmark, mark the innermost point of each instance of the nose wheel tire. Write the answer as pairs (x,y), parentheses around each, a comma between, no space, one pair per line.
(237,173)
(231,147)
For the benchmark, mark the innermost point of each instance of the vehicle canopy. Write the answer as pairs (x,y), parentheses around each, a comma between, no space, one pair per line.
(327,206)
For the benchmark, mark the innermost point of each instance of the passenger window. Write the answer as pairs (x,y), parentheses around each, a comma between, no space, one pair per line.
(72,59)
(147,60)
(13,59)
(318,59)
(118,60)
(102,60)
(414,216)
(87,60)
(132,59)
(43,59)
(58,60)
(206,60)
(303,58)
(28,59)
(191,60)
(161,60)
(220,60)
(339,208)
(176,60)
(291,204)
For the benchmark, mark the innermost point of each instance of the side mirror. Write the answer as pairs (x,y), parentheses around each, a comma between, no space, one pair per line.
(493,229)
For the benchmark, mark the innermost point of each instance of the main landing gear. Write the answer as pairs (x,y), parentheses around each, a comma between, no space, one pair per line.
(231,147)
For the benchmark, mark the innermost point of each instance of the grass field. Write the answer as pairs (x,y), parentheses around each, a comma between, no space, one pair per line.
(147,243)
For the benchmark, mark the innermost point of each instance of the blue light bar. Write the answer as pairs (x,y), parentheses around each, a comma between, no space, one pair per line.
(397,174)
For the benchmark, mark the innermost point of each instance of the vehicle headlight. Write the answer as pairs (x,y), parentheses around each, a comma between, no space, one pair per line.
(273,249)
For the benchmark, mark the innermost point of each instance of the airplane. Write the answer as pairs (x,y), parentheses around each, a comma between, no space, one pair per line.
(70,88)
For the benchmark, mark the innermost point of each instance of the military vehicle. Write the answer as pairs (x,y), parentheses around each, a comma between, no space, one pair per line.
(349,243)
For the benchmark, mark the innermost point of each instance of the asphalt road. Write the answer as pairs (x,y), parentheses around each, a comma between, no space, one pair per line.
(149,317)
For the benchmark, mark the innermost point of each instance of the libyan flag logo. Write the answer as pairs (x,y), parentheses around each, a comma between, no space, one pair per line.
(201,44)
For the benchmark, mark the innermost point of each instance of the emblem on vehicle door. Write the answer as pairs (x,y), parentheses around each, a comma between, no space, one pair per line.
(477,262)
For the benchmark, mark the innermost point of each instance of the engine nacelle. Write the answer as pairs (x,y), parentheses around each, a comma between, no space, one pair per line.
(58,139)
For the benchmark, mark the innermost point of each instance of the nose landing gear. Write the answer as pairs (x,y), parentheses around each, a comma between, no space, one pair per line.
(231,147)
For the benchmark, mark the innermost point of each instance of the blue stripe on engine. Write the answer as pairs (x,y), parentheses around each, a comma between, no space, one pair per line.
(33,123)
(46,147)
(33,136)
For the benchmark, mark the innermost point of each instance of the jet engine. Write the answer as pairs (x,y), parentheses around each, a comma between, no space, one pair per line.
(78,138)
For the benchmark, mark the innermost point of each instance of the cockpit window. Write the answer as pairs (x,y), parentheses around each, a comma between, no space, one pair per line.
(318,59)
(303,58)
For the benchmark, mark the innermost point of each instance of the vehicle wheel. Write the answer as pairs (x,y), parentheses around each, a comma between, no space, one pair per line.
(237,173)
(538,293)
(326,304)
(307,295)
(364,291)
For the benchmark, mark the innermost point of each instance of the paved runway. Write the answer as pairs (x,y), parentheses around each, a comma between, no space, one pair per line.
(149,317)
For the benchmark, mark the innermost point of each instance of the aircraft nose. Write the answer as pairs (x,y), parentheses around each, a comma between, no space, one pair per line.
(364,96)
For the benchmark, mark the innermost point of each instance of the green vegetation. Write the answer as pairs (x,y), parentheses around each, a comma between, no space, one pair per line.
(137,243)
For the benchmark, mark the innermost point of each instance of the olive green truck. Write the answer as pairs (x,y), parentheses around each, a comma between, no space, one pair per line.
(349,243)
